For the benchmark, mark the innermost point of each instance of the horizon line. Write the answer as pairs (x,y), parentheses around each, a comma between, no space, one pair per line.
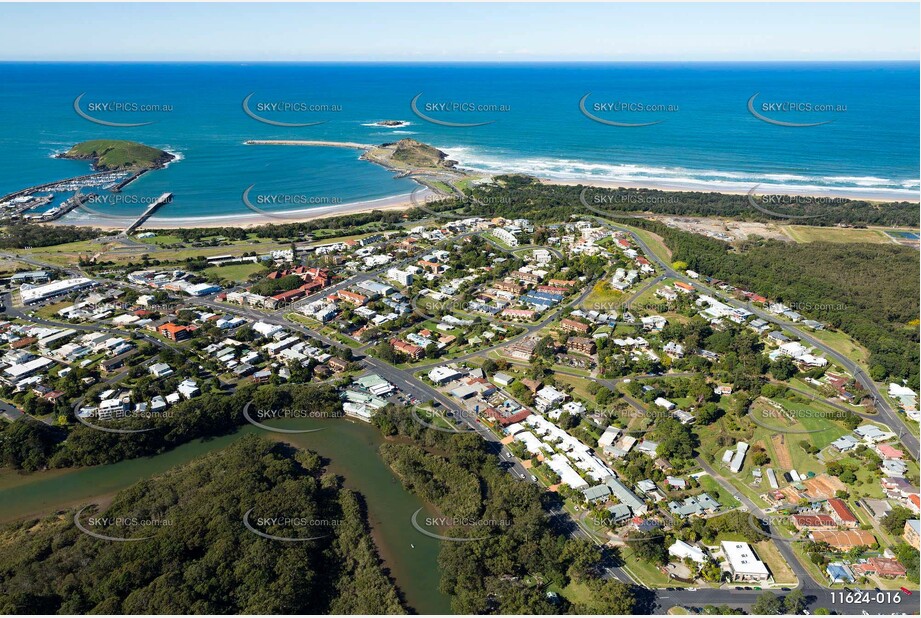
(471,61)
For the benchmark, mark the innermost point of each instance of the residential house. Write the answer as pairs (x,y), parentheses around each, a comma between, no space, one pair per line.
(888,568)
(681,550)
(912,533)
(160,370)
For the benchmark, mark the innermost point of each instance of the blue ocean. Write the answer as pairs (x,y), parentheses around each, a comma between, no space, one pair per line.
(842,128)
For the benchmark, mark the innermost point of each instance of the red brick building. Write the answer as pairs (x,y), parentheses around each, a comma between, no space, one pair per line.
(571,325)
(174,332)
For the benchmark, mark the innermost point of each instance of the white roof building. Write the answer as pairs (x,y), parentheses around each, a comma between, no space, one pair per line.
(744,565)
(532,443)
(39,293)
(607,438)
(188,388)
(680,549)
(443,375)
(664,403)
(28,368)
(739,458)
(267,330)
(568,476)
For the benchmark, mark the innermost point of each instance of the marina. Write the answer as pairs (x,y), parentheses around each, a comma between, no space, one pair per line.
(16,205)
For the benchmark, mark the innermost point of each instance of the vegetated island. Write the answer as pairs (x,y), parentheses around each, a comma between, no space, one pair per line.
(406,157)
(409,154)
(112,155)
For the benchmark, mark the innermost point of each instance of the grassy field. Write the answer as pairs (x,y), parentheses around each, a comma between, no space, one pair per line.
(646,572)
(69,253)
(649,297)
(771,556)
(842,343)
(655,242)
(793,456)
(867,481)
(49,312)
(11,266)
(234,272)
(805,233)
(162,239)
(716,490)
(808,416)
(603,297)
(579,385)
(577,593)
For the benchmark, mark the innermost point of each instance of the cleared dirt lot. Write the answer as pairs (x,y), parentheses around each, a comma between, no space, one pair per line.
(725,229)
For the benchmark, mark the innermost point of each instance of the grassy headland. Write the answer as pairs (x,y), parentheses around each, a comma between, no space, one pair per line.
(116,155)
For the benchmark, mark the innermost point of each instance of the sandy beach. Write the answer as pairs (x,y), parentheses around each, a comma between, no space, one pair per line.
(401,202)
(249,219)
(869,195)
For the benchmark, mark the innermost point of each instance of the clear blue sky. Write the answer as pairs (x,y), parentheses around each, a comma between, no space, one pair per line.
(472,32)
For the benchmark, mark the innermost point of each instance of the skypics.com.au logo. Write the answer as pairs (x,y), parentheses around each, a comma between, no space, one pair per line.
(286,205)
(450,421)
(774,204)
(281,112)
(428,201)
(257,416)
(472,529)
(771,112)
(112,113)
(605,112)
(118,528)
(289,529)
(431,110)
(617,204)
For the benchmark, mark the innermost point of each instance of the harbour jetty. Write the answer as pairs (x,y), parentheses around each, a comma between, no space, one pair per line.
(127,181)
(163,199)
(56,213)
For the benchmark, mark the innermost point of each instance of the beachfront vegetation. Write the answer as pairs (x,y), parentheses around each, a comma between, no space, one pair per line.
(545,202)
(22,235)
